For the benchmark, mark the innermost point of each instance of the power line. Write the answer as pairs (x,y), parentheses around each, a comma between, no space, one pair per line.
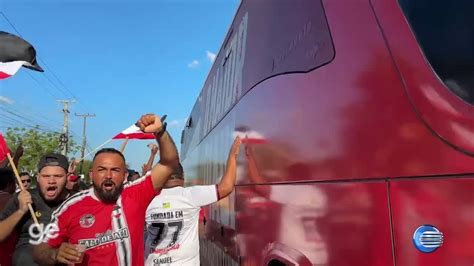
(36,118)
(11,24)
(44,88)
(18,123)
(65,89)
(59,80)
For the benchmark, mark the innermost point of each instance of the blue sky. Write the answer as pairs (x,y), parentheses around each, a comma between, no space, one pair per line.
(119,59)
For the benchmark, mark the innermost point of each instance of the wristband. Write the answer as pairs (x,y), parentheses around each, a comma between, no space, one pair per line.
(161,132)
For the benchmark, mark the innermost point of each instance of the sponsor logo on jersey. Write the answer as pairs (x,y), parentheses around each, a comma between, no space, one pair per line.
(105,238)
(87,221)
(162,251)
(167,215)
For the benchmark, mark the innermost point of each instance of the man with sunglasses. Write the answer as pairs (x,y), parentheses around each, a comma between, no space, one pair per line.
(25,180)
(49,194)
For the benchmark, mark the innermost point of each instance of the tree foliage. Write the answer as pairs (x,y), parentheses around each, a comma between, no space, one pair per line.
(35,143)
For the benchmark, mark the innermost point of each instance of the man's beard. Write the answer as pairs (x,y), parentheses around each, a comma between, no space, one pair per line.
(108,196)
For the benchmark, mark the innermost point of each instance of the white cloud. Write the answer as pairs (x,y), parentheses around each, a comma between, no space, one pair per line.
(211,56)
(177,123)
(6,100)
(193,64)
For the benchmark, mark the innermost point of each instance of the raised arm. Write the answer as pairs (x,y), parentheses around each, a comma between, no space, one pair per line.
(168,154)
(227,183)
(147,167)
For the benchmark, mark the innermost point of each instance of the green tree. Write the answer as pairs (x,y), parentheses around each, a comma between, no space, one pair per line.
(87,164)
(35,143)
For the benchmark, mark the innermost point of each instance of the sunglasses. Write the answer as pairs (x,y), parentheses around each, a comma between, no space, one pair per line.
(26,181)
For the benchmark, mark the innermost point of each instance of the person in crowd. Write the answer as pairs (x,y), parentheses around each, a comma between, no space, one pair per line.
(172,217)
(25,180)
(73,180)
(7,189)
(132,175)
(49,194)
(153,151)
(104,225)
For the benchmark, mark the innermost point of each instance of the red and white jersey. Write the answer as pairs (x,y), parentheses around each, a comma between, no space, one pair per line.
(172,225)
(112,233)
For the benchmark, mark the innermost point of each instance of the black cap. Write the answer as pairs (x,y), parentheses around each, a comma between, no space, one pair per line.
(53,159)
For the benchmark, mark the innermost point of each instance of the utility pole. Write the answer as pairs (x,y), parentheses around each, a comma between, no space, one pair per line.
(83,149)
(65,136)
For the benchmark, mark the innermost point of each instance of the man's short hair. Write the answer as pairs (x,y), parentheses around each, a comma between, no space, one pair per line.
(108,150)
(178,172)
(24,173)
(6,178)
(53,159)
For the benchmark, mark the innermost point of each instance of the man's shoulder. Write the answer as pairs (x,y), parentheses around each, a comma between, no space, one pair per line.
(73,202)
(140,181)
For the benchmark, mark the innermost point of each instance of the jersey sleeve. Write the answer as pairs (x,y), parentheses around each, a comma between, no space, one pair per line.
(141,190)
(57,231)
(203,195)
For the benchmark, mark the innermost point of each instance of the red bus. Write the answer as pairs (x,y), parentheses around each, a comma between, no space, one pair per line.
(358,126)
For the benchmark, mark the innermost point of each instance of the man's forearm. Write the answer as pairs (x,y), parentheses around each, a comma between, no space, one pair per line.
(168,151)
(44,254)
(7,225)
(149,164)
(227,183)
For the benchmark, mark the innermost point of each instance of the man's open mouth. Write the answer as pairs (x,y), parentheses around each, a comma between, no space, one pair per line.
(51,191)
(108,185)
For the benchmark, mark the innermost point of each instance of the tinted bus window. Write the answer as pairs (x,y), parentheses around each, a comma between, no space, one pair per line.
(285,37)
(445,32)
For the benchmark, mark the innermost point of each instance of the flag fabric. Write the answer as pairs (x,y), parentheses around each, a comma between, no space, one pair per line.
(134,132)
(3,148)
(250,137)
(15,53)
(9,69)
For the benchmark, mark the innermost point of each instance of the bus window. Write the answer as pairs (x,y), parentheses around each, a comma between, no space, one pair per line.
(445,32)
(285,37)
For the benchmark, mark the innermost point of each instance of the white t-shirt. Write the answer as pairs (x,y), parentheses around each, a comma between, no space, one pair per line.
(172,225)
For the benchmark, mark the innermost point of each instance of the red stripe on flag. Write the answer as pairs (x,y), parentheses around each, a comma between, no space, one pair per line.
(3,148)
(253,141)
(4,75)
(135,136)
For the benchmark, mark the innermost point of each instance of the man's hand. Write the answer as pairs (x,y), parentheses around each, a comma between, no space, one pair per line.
(248,151)
(150,123)
(67,254)
(145,169)
(169,159)
(227,183)
(154,148)
(234,150)
(24,198)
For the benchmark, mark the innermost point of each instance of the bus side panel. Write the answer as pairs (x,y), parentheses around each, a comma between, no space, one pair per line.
(314,224)
(446,204)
